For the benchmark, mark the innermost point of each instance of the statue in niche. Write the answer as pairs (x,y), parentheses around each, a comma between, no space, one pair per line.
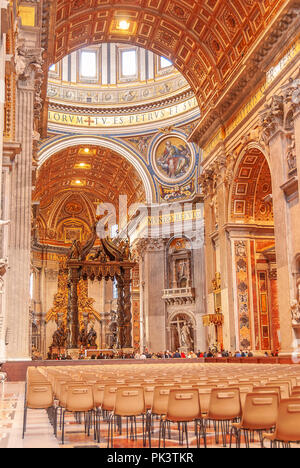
(215,207)
(185,338)
(182,272)
(291,153)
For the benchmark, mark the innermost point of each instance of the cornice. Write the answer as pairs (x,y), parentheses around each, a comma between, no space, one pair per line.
(124,109)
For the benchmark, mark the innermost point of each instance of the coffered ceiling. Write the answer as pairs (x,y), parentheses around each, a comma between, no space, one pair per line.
(72,183)
(206,39)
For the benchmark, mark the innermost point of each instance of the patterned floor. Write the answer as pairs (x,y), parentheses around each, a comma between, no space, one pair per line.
(40,432)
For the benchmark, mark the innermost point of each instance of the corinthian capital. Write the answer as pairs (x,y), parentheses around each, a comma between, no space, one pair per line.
(28,62)
(291,92)
(272,117)
(206,181)
(148,245)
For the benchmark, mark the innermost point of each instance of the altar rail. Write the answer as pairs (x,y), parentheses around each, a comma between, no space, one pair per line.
(16,370)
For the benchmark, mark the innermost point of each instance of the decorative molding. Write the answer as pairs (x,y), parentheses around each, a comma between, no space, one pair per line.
(291,188)
(251,74)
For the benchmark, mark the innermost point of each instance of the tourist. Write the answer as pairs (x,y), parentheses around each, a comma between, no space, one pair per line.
(177,354)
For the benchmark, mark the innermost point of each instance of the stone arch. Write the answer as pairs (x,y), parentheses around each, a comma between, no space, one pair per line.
(58,144)
(250,196)
(175,323)
(64,198)
(190,314)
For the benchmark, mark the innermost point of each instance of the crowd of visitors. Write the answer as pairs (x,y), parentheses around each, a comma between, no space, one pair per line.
(211,353)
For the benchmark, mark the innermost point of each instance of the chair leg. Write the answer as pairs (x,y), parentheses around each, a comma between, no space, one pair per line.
(186,434)
(63,428)
(98,425)
(24,421)
(148,426)
(110,434)
(160,431)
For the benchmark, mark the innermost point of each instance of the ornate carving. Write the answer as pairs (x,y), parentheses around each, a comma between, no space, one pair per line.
(3,269)
(272,117)
(149,245)
(295,311)
(291,157)
(27,62)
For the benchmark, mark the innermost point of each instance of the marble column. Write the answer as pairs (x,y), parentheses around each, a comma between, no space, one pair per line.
(154,305)
(5,190)
(283,237)
(20,228)
(3,6)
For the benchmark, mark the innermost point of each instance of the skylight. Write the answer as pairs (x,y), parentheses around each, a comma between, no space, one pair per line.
(164,63)
(88,64)
(129,63)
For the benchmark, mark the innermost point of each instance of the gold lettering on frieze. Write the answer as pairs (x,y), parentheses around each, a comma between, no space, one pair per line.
(174,217)
(73,120)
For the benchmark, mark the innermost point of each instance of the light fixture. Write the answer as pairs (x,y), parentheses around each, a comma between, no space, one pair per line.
(78,182)
(86,150)
(124,25)
(82,164)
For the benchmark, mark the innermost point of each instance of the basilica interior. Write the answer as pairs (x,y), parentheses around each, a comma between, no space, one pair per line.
(149,197)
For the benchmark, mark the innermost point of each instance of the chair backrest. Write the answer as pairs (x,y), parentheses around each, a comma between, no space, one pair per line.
(260,411)
(130,401)
(149,393)
(80,398)
(160,399)
(63,391)
(285,387)
(288,423)
(204,395)
(184,405)
(98,393)
(39,395)
(225,404)
(268,389)
(109,397)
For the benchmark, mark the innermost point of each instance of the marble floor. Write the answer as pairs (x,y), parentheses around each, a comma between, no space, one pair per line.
(39,432)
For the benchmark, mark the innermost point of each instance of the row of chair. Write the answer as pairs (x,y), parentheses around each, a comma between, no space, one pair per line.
(130,398)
